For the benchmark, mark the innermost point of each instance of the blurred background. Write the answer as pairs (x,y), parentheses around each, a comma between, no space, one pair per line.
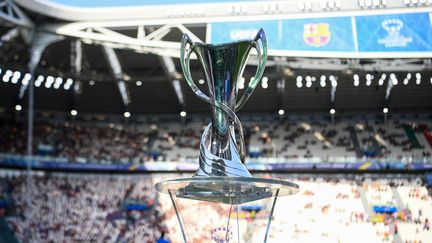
(94,110)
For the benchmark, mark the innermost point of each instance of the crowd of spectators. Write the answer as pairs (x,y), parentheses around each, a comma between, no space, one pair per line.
(279,140)
(91,208)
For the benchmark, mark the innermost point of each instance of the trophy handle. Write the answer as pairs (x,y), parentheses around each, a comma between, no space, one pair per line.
(262,59)
(184,61)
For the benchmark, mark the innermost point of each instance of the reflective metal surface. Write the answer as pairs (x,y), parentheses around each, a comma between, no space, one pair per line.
(220,153)
(227,190)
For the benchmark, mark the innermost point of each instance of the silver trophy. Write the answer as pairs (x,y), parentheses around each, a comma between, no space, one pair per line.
(222,178)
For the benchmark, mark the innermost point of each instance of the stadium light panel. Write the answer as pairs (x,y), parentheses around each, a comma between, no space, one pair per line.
(183,113)
(74,112)
(368,82)
(332,111)
(405,82)
(299,84)
(18,107)
(408,76)
(127,114)
(138,83)
(299,79)
(385,110)
(323,83)
(281,112)
(17,74)
(308,84)
(418,81)
(6,78)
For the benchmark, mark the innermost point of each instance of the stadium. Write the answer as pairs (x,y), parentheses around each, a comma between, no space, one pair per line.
(97,106)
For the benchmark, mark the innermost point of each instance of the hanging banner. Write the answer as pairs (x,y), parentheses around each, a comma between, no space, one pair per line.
(394,33)
(407,34)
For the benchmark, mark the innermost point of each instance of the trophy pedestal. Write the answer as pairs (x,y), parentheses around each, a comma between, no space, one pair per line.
(230,206)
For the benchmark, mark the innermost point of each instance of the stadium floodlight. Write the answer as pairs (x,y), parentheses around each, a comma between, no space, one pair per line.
(281,112)
(431,80)
(299,79)
(418,81)
(201,81)
(405,82)
(138,83)
(15,77)
(332,111)
(74,112)
(368,82)
(408,76)
(264,82)
(356,83)
(18,107)
(6,78)
(92,82)
(385,110)
(183,113)
(299,84)
(323,83)
(323,4)
(17,74)
(308,84)
(127,114)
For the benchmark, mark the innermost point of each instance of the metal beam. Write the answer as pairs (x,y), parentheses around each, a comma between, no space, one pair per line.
(97,33)
(76,64)
(11,14)
(117,73)
(41,41)
(174,76)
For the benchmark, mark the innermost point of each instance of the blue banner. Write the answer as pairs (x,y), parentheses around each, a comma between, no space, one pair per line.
(222,32)
(319,34)
(411,32)
(394,33)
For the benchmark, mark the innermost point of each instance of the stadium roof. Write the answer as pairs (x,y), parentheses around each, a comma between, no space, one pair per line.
(156,94)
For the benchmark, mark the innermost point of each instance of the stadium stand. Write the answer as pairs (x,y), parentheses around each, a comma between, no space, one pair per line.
(277,141)
(91,207)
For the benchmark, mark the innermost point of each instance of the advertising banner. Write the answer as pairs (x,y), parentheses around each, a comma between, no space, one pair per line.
(394,33)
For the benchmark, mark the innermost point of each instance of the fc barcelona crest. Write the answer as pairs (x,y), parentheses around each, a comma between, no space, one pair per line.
(316,34)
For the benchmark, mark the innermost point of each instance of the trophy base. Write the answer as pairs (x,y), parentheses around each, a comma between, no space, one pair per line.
(227,190)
